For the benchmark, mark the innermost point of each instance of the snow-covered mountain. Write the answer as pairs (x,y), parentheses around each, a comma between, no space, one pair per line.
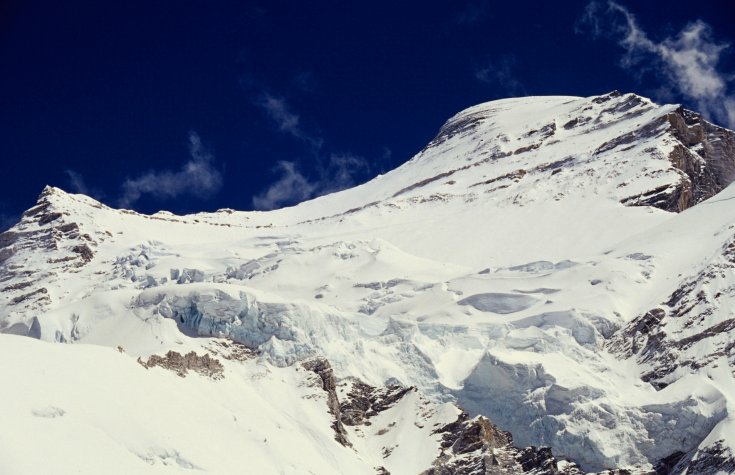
(557,267)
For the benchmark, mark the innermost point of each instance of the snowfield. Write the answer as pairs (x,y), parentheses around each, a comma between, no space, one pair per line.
(562,266)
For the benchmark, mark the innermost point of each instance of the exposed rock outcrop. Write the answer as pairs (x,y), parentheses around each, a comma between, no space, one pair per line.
(688,331)
(702,153)
(364,401)
(182,364)
(711,460)
(478,447)
(323,369)
(42,231)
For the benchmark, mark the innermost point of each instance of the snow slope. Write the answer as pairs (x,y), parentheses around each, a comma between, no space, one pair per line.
(505,268)
(90,409)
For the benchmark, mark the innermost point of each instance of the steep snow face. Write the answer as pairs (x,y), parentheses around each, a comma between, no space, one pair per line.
(504,267)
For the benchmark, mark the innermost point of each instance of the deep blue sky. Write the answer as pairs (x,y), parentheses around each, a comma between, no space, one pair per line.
(104,92)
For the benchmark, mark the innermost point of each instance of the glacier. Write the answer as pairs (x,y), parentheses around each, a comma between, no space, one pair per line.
(559,265)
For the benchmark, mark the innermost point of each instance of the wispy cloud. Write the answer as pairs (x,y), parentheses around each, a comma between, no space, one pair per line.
(291,187)
(299,180)
(197,177)
(686,62)
(501,74)
(386,154)
(339,172)
(288,122)
(76,182)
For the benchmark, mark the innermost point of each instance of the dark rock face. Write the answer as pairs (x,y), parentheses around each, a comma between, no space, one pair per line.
(463,125)
(687,331)
(712,460)
(182,364)
(324,370)
(715,144)
(47,218)
(364,401)
(39,293)
(541,460)
(667,464)
(704,156)
(85,253)
(478,447)
(232,351)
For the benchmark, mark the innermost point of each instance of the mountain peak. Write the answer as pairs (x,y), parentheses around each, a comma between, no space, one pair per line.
(51,190)
(560,265)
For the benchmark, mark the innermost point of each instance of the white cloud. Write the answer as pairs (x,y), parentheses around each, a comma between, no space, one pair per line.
(277,109)
(387,154)
(322,176)
(76,181)
(197,177)
(341,172)
(687,61)
(337,173)
(291,187)
(500,73)
(77,184)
